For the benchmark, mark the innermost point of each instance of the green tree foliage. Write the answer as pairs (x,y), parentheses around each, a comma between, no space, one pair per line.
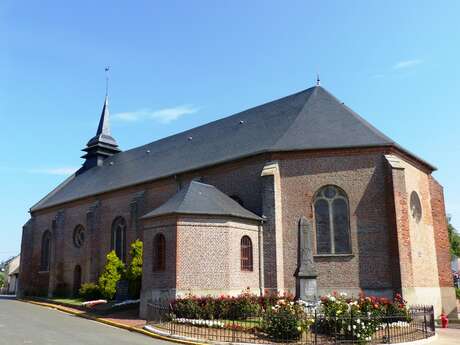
(114,270)
(134,271)
(454,239)
(2,279)
(89,291)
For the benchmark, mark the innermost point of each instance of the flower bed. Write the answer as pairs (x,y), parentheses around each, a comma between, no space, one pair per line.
(252,319)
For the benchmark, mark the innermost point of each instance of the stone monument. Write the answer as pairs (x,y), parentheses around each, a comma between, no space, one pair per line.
(306,274)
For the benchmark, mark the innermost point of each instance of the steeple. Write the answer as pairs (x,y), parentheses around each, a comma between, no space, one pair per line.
(102,145)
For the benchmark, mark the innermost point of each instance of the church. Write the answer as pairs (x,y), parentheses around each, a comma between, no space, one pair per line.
(298,195)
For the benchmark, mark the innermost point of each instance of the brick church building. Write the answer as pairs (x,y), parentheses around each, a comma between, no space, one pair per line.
(220,208)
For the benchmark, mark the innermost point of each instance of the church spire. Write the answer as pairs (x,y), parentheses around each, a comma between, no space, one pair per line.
(103,130)
(102,145)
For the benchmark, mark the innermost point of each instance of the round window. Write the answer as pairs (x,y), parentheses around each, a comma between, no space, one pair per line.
(415,207)
(79,236)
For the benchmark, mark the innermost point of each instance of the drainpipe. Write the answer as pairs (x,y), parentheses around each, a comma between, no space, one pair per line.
(261,258)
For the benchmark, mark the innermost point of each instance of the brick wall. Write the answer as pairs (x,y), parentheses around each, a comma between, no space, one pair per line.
(97,214)
(363,179)
(441,236)
(208,255)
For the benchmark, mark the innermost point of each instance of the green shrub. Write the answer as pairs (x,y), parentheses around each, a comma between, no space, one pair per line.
(114,270)
(89,291)
(188,308)
(243,306)
(367,313)
(457,292)
(285,321)
(134,270)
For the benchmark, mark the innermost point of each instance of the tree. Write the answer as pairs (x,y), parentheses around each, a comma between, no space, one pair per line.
(134,271)
(2,279)
(454,238)
(114,270)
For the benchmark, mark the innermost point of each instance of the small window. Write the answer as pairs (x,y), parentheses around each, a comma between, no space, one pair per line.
(46,252)
(119,238)
(246,254)
(415,206)
(79,236)
(332,221)
(159,253)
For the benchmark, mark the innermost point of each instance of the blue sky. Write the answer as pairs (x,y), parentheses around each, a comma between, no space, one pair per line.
(179,64)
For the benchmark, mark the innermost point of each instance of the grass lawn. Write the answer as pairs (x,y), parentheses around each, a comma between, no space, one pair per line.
(249,323)
(69,301)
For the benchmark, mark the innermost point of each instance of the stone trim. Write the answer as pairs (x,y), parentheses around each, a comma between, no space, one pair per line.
(136,210)
(93,219)
(273,226)
(401,211)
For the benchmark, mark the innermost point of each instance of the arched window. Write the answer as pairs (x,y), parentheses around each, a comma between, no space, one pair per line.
(119,237)
(332,221)
(246,254)
(159,253)
(46,252)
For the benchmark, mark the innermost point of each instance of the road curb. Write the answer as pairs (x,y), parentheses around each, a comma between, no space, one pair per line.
(83,315)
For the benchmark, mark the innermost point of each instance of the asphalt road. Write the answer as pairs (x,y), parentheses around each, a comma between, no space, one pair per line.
(25,323)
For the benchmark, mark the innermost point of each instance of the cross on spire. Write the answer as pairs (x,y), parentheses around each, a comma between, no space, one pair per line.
(107,69)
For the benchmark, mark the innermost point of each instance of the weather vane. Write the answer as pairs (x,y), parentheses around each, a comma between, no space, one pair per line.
(318,81)
(107,68)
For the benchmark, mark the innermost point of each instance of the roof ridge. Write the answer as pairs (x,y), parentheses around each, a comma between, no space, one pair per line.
(359,117)
(214,121)
(315,88)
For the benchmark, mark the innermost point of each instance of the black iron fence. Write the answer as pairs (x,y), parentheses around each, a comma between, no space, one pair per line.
(310,328)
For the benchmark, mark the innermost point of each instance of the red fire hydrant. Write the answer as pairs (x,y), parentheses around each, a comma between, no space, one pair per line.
(444,321)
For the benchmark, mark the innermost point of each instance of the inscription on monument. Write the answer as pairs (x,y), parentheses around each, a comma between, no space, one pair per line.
(306,273)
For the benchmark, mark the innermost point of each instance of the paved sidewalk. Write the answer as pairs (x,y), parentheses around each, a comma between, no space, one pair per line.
(447,336)
(127,317)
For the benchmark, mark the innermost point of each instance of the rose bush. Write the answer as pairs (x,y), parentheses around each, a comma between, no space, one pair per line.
(359,318)
(286,320)
(283,318)
(243,306)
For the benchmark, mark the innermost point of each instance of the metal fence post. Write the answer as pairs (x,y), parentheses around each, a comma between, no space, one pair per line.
(335,329)
(351,326)
(316,327)
(432,326)
(388,340)
(425,326)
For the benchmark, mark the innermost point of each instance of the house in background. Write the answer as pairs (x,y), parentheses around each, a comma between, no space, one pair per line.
(12,275)
(10,269)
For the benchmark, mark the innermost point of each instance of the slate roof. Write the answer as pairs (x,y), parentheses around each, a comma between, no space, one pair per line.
(308,120)
(103,135)
(202,199)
